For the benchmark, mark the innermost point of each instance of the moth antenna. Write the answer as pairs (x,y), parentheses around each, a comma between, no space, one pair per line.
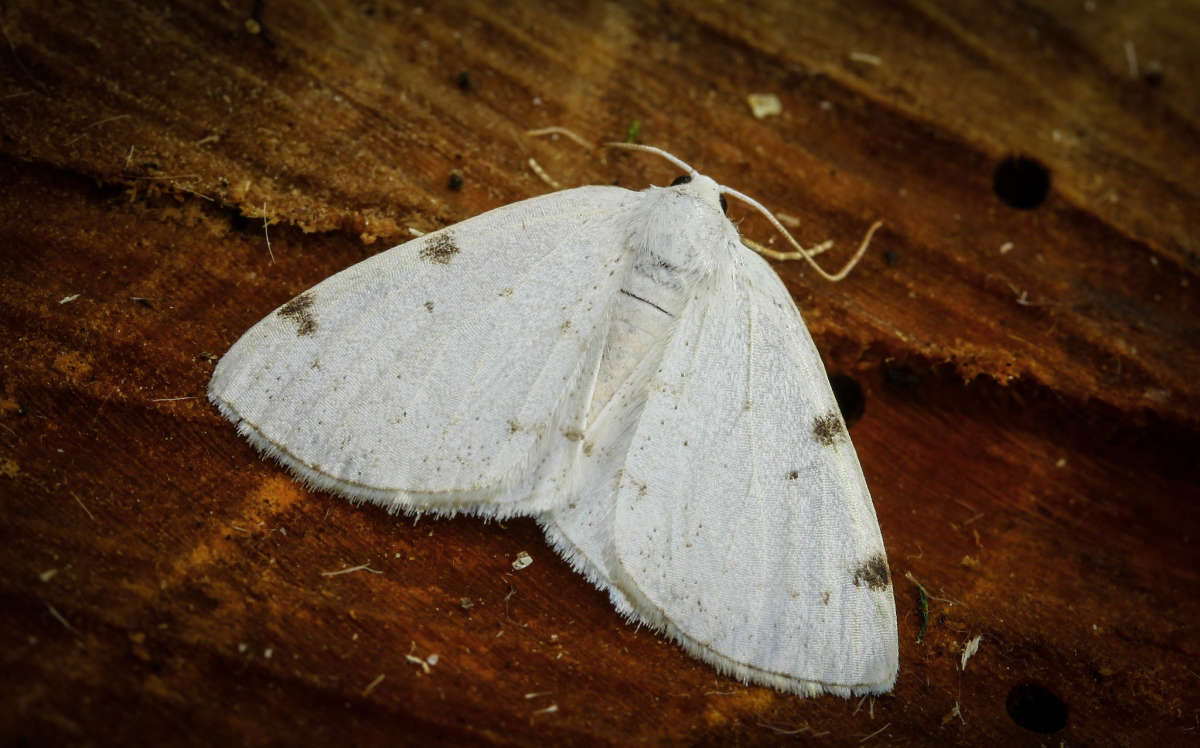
(657,151)
(801,253)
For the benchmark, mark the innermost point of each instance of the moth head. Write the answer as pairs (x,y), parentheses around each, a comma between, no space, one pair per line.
(702,187)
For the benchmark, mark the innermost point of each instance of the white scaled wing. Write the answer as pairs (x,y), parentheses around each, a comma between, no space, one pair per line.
(448,373)
(742,523)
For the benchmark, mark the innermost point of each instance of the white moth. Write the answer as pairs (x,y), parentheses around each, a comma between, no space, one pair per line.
(619,366)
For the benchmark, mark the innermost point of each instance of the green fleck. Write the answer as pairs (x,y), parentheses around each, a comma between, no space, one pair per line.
(922,605)
(634,131)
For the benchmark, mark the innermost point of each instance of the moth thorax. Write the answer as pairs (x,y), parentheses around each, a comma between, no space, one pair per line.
(678,233)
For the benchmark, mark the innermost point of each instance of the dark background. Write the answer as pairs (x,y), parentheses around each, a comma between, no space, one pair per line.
(1029,374)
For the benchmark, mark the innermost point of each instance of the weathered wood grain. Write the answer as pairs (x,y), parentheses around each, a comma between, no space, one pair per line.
(1032,398)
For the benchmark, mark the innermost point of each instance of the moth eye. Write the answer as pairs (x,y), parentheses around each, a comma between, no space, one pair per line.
(724,205)
(682,179)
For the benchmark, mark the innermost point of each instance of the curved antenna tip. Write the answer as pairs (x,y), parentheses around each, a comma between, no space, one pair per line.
(801,253)
(657,151)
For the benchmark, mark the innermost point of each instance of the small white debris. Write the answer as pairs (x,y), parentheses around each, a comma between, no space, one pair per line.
(1157,395)
(542,174)
(954,713)
(866,58)
(418,661)
(68,299)
(1006,247)
(1131,59)
(47,575)
(350,569)
(969,650)
(59,617)
(523,559)
(764,105)
(789,220)
(371,686)
(432,659)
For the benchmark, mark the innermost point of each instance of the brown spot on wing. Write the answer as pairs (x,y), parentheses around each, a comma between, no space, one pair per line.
(873,572)
(827,429)
(439,248)
(299,310)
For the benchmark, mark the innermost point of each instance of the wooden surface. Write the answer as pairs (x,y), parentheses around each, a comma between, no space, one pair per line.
(1030,376)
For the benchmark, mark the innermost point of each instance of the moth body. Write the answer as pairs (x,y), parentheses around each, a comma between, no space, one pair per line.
(619,366)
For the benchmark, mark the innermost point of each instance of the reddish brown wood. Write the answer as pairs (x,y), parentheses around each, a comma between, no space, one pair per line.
(1032,416)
